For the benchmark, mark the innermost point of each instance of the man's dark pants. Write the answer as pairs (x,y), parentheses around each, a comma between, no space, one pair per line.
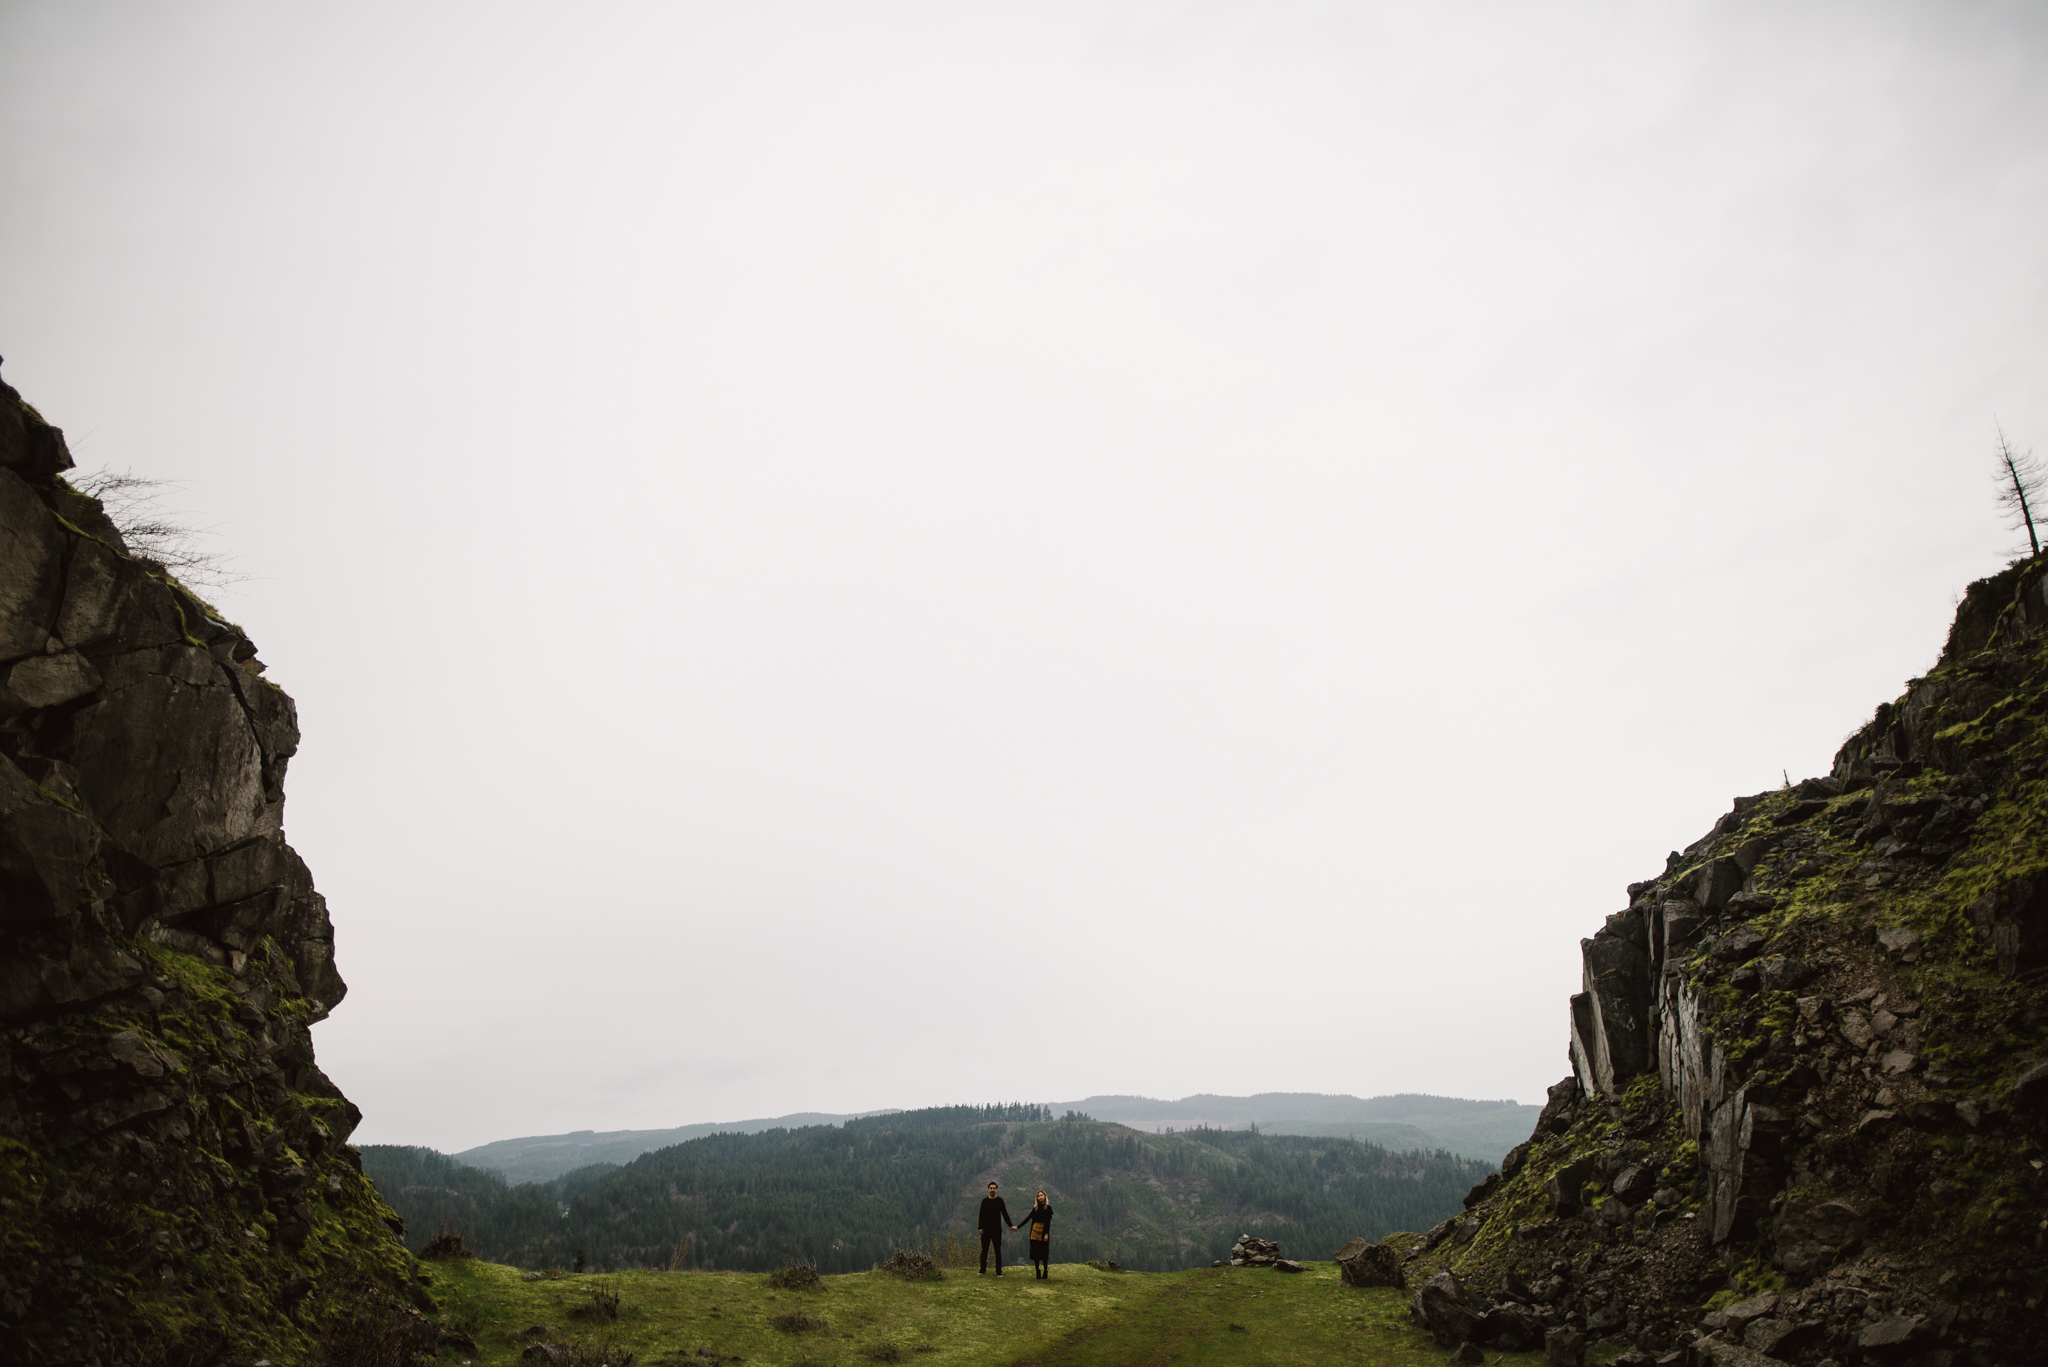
(992,1238)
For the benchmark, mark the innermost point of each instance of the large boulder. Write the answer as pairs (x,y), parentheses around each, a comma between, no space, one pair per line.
(1785,973)
(1809,1233)
(1444,1310)
(2013,920)
(1635,1184)
(1717,881)
(1560,1107)
(1744,1158)
(1512,1328)
(1567,1186)
(1616,978)
(1776,1337)
(1890,1335)
(1683,920)
(1438,1232)
(1363,1263)
(1737,1317)
(1564,1346)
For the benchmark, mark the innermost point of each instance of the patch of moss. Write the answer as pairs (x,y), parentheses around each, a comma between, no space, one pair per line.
(169,1234)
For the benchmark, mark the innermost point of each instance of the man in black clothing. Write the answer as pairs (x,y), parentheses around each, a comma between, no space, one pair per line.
(994,1215)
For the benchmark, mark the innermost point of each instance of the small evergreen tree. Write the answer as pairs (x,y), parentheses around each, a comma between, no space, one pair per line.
(2019,479)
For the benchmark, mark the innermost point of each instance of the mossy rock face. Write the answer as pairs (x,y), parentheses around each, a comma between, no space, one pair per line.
(1849,1006)
(175,1179)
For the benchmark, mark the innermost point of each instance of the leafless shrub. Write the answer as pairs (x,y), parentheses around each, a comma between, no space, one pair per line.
(449,1243)
(796,1276)
(797,1322)
(155,532)
(912,1266)
(604,1301)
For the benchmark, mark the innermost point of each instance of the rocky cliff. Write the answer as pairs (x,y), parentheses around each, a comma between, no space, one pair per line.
(176,1183)
(1809,1089)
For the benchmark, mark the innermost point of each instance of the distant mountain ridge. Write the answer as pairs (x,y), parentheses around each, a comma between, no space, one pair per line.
(1409,1120)
(542,1158)
(1404,1122)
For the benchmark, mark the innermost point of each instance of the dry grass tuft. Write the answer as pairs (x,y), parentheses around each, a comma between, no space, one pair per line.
(796,1276)
(912,1266)
(798,1322)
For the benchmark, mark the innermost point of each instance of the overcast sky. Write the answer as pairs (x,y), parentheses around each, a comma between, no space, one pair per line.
(845,555)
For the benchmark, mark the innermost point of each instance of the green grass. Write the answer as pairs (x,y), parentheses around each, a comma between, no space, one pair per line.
(1080,1318)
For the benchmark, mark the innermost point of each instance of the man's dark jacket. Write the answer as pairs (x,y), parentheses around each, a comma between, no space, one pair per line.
(995,1215)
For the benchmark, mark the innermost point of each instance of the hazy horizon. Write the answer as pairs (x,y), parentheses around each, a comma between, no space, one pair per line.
(1056,1105)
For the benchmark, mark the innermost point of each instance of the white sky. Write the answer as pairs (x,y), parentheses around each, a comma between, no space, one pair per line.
(838,556)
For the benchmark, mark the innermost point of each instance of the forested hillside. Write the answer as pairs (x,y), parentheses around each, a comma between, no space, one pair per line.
(844,1197)
(1473,1129)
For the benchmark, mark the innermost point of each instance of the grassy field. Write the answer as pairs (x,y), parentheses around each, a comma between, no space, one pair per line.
(1082,1317)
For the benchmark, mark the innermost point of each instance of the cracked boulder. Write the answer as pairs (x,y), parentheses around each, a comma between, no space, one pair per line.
(1442,1308)
(1362,1263)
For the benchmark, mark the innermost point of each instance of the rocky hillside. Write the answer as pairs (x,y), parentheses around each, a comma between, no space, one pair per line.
(175,1174)
(1809,1089)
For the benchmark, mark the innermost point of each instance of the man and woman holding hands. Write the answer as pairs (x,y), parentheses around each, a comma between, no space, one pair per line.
(995,1215)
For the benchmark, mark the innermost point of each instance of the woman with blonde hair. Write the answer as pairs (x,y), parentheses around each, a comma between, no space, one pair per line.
(1040,1220)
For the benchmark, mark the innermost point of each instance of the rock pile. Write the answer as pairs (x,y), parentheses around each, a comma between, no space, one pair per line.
(1249,1251)
(1455,1316)
(179,1185)
(1809,1092)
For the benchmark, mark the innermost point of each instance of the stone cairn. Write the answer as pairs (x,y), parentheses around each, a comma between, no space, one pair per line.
(1254,1252)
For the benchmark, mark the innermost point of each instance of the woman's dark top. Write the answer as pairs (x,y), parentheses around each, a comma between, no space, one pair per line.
(1040,1219)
